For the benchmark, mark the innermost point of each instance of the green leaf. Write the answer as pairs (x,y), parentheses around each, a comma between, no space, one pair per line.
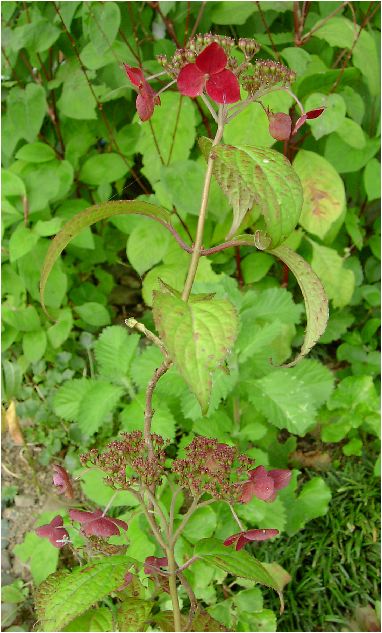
(104,22)
(198,337)
(114,351)
(88,217)
(372,179)
(163,422)
(133,614)
(99,400)
(21,242)
(352,133)
(26,110)
(67,399)
(23,319)
(264,177)
(332,117)
(66,595)
(102,168)
(36,153)
(11,184)
(338,281)
(281,396)
(59,332)
(225,13)
(34,345)
(312,502)
(316,302)
(324,193)
(255,266)
(175,116)
(100,619)
(37,36)
(93,313)
(146,246)
(76,100)
(346,159)
(94,488)
(40,556)
(240,563)
(201,525)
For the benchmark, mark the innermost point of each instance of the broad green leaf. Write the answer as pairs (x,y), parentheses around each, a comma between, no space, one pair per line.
(67,399)
(100,619)
(355,105)
(146,245)
(97,404)
(36,153)
(37,553)
(11,184)
(201,525)
(225,13)
(338,281)
(76,100)
(104,21)
(236,563)
(23,319)
(372,179)
(316,302)
(114,351)
(65,595)
(312,502)
(21,242)
(346,159)
(37,36)
(34,345)
(102,168)
(332,117)
(256,176)
(324,193)
(157,142)
(282,397)
(88,217)
(198,337)
(59,332)
(133,614)
(26,110)
(94,488)
(352,133)
(255,266)
(163,422)
(93,313)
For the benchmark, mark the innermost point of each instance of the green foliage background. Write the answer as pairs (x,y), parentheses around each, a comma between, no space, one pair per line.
(71,138)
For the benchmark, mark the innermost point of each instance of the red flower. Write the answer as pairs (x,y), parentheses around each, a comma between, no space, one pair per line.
(147,98)
(312,114)
(210,72)
(263,484)
(61,479)
(242,538)
(95,524)
(54,531)
(153,565)
(280,126)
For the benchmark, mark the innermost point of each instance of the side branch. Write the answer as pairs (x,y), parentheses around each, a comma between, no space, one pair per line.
(159,372)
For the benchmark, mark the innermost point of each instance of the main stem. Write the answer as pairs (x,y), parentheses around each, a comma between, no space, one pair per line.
(173,589)
(203,210)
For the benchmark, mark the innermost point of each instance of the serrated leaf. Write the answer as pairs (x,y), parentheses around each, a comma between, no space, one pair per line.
(88,217)
(96,404)
(240,563)
(258,176)
(67,399)
(198,337)
(316,302)
(64,595)
(114,351)
(132,615)
(324,193)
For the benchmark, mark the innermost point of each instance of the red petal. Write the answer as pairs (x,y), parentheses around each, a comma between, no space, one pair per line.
(260,535)
(212,60)
(313,114)
(280,126)
(60,534)
(281,477)
(223,87)
(263,484)
(231,539)
(191,81)
(299,123)
(145,107)
(119,523)
(241,542)
(135,75)
(256,472)
(248,491)
(84,517)
(100,527)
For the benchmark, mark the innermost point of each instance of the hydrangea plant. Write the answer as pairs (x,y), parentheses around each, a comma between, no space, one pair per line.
(194,332)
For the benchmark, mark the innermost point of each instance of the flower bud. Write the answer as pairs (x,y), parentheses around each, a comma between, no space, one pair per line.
(280,126)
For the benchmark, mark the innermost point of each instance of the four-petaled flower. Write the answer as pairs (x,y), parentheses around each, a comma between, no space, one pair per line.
(147,98)
(54,531)
(209,71)
(242,538)
(312,114)
(264,485)
(153,565)
(61,479)
(96,524)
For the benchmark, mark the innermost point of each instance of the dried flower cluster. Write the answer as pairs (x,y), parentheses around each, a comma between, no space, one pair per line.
(128,460)
(266,74)
(213,468)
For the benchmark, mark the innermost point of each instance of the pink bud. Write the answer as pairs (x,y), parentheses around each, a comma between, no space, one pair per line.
(280,126)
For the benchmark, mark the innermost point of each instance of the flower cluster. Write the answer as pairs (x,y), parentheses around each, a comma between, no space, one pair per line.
(266,74)
(213,468)
(127,460)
